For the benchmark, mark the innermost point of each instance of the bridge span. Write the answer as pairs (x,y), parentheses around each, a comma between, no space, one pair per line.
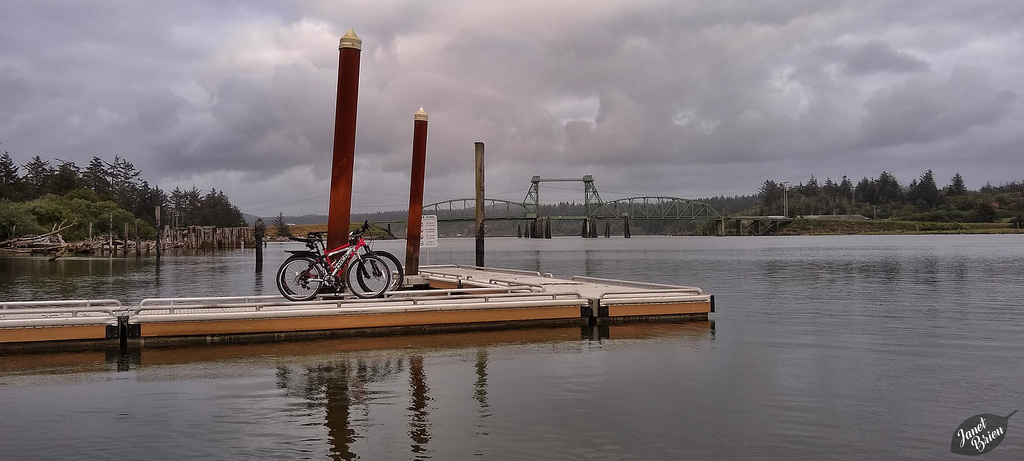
(644,207)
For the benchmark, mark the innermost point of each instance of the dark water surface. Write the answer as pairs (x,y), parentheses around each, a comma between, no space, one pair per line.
(863,347)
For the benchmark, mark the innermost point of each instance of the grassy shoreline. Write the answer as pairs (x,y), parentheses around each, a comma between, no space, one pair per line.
(892,227)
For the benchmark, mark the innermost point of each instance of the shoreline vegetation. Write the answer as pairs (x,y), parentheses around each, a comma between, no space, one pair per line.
(68,207)
(53,244)
(803,226)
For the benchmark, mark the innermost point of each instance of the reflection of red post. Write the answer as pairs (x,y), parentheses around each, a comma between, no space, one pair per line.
(339,213)
(419,161)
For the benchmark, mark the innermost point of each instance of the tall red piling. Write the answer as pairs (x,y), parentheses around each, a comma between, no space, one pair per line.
(419,162)
(340,210)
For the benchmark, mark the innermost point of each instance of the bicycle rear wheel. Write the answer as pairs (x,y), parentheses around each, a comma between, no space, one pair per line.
(397,272)
(367,277)
(300,278)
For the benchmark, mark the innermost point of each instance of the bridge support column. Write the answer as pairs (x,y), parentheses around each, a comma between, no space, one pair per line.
(583,231)
(519,231)
(625,225)
(607,230)
(547,228)
(593,228)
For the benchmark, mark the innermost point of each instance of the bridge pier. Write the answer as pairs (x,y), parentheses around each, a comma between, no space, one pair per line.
(547,228)
(625,224)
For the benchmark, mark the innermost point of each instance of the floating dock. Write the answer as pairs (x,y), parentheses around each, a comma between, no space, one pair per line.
(448,297)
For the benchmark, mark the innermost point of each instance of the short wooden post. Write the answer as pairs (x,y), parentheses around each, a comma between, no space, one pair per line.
(158,231)
(259,230)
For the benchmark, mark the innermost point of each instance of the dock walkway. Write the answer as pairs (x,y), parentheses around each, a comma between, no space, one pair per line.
(457,296)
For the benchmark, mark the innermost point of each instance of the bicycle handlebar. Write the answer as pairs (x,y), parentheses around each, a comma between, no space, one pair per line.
(319,234)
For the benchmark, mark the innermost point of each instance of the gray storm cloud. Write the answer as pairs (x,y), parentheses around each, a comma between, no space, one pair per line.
(677,98)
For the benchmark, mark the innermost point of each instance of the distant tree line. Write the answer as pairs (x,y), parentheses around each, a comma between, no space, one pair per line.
(39,195)
(885,197)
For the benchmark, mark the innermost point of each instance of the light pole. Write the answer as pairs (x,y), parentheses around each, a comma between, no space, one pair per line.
(785,199)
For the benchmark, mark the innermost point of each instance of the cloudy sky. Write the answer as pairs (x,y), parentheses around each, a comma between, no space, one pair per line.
(673,97)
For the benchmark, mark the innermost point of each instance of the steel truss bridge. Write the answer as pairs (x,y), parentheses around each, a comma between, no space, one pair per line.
(647,207)
(642,207)
(653,207)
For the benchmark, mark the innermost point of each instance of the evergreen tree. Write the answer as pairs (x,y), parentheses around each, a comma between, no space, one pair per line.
(845,189)
(889,188)
(772,196)
(810,189)
(867,191)
(65,179)
(282,227)
(95,177)
(37,175)
(218,211)
(148,199)
(956,186)
(10,183)
(925,193)
(123,182)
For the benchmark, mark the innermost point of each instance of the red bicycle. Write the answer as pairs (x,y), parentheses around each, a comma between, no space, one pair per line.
(308,272)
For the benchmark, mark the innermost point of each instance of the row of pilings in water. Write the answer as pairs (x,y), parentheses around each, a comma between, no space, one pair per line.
(541,228)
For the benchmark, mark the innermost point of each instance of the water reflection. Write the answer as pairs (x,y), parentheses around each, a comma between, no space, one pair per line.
(480,391)
(349,387)
(419,422)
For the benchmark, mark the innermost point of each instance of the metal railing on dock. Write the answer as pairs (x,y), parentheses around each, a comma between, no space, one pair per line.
(59,313)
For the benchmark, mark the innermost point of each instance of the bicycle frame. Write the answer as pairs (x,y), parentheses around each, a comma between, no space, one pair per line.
(342,256)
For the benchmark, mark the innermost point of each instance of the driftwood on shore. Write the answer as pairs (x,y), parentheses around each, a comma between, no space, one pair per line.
(192,237)
(45,243)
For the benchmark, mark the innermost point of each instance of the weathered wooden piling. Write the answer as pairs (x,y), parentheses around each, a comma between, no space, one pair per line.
(340,208)
(479,156)
(259,230)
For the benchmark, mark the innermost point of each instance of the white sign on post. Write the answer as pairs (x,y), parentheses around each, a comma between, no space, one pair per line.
(428,232)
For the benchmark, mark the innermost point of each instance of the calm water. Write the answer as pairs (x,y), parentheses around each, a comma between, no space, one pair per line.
(865,347)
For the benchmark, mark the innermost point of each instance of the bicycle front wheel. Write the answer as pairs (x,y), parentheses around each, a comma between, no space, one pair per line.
(300,278)
(397,272)
(367,276)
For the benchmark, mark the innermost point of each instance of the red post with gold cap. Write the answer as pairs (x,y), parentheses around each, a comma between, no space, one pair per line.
(419,162)
(340,210)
